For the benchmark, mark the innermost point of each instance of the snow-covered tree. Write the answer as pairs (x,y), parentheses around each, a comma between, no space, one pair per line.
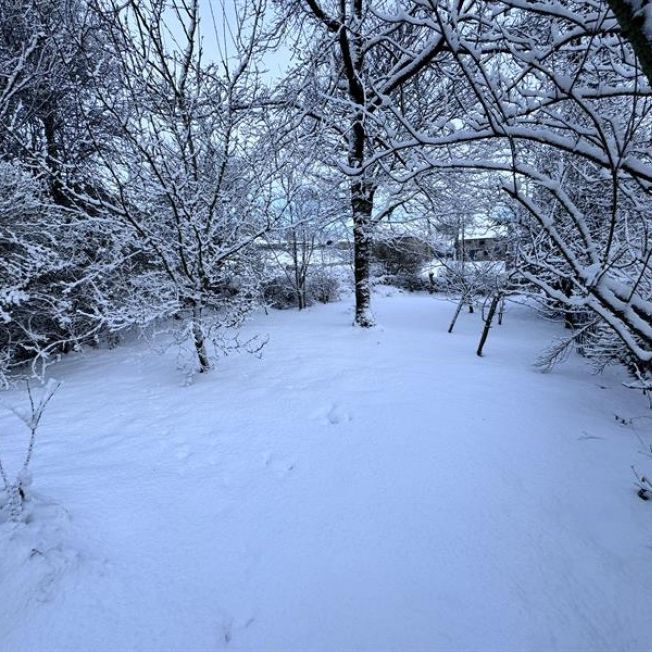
(57,254)
(310,205)
(560,95)
(192,169)
(359,64)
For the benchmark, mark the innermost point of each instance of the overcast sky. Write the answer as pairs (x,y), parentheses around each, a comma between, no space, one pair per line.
(212,14)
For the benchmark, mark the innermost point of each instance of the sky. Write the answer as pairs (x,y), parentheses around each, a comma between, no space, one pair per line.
(217,18)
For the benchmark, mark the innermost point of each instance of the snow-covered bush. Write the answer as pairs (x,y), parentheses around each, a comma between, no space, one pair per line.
(36,306)
(402,255)
(15,489)
(409,281)
(62,275)
(470,278)
(323,287)
(281,293)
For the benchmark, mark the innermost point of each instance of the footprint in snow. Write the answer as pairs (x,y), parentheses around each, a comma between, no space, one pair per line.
(332,415)
(337,414)
(182,452)
(280,468)
(229,626)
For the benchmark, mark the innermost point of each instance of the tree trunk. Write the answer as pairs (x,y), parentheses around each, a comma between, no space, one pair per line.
(199,341)
(457,314)
(53,161)
(487,324)
(299,279)
(632,24)
(566,287)
(361,207)
(301,298)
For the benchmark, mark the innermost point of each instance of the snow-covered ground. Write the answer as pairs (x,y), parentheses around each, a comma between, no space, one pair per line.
(353,490)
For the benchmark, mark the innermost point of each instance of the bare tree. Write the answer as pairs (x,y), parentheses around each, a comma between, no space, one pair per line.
(308,208)
(358,62)
(192,167)
(560,95)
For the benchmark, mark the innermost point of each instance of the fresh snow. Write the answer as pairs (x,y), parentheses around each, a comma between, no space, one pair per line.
(352,490)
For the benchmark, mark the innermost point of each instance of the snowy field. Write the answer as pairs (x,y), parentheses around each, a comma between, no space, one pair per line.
(353,490)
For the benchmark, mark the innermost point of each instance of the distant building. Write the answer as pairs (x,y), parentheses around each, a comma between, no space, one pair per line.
(481,247)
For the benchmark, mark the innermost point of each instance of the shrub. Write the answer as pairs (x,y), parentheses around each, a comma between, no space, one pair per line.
(403,254)
(279,293)
(15,487)
(411,282)
(323,287)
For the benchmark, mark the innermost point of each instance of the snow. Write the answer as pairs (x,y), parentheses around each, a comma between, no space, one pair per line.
(353,489)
